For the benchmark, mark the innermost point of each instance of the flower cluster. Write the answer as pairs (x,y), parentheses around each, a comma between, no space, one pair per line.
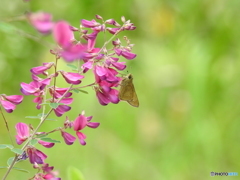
(45,172)
(104,64)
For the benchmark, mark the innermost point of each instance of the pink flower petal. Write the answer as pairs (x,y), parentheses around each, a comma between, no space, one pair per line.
(15,99)
(81,138)
(46,144)
(8,106)
(80,123)
(68,138)
(62,34)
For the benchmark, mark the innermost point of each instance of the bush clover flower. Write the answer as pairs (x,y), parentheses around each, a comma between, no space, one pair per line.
(9,102)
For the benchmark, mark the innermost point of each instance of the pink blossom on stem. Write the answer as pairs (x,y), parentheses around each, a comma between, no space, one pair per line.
(68,138)
(61,109)
(81,138)
(22,132)
(9,102)
(35,155)
(41,69)
(89,24)
(59,92)
(46,144)
(80,123)
(33,88)
(125,53)
(72,78)
(106,95)
(41,21)
(62,34)
(107,74)
(15,99)
(86,66)
(113,30)
(38,100)
(64,37)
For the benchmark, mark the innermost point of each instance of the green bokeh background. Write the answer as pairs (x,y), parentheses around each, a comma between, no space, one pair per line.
(186,75)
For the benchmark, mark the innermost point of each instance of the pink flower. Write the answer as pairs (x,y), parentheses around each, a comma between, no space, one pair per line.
(89,24)
(46,144)
(106,95)
(125,53)
(62,34)
(86,66)
(80,123)
(107,74)
(81,138)
(59,92)
(61,109)
(91,38)
(113,22)
(33,88)
(112,61)
(41,21)
(68,138)
(64,37)
(9,102)
(113,30)
(9,107)
(22,132)
(38,100)
(15,99)
(72,78)
(41,69)
(35,155)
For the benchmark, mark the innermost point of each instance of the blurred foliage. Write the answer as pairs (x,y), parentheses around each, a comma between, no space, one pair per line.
(186,77)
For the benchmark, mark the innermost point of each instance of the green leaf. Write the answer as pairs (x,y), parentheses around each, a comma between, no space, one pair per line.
(10,160)
(20,169)
(3,167)
(74,174)
(33,142)
(32,117)
(73,67)
(79,90)
(51,119)
(3,146)
(41,115)
(9,146)
(17,151)
(85,92)
(75,90)
(54,105)
(41,135)
(50,140)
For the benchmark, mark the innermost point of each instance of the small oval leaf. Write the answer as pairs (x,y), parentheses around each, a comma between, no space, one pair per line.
(17,151)
(32,117)
(3,167)
(54,105)
(3,146)
(72,66)
(20,169)
(10,160)
(50,140)
(33,142)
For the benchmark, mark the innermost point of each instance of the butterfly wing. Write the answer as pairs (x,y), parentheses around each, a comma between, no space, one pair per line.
(127,91)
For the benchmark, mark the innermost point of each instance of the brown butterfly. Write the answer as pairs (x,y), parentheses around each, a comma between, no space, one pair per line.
(127,91)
